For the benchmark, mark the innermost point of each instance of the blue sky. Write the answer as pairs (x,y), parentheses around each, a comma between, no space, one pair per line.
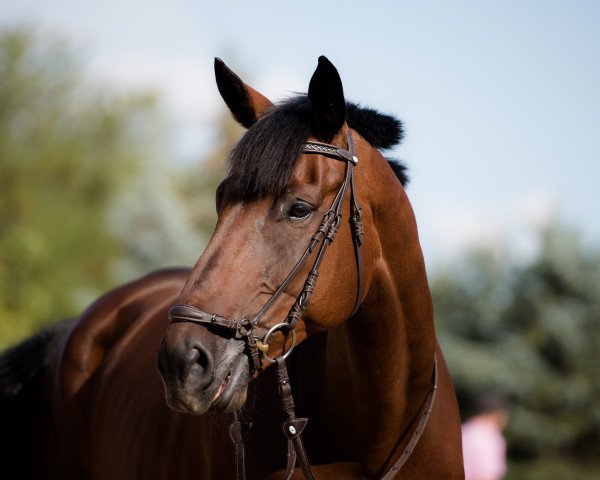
(501,100)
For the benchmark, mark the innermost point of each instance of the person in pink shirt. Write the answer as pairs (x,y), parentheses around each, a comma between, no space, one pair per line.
(484,446)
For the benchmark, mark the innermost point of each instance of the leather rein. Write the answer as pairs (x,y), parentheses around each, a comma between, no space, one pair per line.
(255,345)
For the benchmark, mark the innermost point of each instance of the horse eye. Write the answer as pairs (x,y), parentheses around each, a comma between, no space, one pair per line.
(299,211)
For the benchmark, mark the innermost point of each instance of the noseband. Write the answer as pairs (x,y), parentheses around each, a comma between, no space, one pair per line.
(255,345)
(244,329)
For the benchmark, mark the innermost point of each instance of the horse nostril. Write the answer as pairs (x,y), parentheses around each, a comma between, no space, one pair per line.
(200,358)
(186,364)
(200,366)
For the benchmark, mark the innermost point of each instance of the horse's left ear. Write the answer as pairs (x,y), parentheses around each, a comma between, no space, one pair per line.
(326,97)
(245,103)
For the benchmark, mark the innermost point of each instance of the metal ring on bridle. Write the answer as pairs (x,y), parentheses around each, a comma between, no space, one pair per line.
(272,330)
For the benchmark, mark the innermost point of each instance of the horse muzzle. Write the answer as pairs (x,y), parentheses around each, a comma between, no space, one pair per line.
(198,379)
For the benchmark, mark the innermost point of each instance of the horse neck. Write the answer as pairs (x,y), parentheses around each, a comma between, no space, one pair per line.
(383,356)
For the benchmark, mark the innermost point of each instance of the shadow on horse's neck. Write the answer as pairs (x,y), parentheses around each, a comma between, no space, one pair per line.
(375,369)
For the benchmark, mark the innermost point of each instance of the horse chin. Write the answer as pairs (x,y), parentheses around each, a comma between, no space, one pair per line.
(185,404)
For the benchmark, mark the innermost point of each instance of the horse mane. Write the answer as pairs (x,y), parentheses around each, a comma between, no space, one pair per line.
(25,362)
(263,160)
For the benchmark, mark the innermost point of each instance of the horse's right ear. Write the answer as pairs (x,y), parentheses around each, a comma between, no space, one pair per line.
(245,103)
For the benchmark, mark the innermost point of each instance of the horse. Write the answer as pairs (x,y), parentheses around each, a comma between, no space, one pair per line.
(171,376)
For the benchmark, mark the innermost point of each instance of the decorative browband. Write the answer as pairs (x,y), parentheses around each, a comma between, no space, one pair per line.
(331,151)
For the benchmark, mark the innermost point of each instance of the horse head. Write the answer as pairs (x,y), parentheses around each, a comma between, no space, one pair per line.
(290,191)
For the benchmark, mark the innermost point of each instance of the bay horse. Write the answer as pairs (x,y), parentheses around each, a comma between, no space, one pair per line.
(84,399)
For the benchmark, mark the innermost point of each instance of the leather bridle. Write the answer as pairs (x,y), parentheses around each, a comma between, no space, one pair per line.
(244,329)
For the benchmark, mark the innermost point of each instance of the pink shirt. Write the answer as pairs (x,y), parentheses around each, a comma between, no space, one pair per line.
(484,450)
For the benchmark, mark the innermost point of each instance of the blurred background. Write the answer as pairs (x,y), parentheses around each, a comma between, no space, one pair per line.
(113,137)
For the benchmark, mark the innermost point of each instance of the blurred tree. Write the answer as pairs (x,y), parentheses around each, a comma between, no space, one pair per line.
(533,332)
(67,149)
(154,223)
(198,183)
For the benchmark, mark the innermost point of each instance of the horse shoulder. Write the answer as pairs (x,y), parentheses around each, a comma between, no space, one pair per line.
(104,323)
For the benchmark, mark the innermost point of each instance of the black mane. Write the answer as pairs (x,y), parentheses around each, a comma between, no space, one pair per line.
(263,160)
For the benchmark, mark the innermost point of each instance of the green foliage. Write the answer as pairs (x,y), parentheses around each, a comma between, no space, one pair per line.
(66,149)
(532,331)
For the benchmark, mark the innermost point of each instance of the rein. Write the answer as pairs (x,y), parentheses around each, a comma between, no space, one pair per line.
(255,345)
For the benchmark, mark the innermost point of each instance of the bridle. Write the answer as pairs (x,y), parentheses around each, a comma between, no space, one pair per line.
(243,329)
